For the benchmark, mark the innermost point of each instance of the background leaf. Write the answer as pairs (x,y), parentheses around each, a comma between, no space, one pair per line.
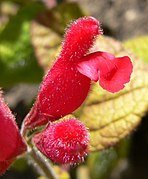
(17,60)
(138,46)
(109,162)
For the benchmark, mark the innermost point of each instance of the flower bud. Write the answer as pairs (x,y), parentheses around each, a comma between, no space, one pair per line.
(64,142)
(11,142)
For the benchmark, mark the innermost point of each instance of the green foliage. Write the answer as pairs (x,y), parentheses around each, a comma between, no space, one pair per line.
(102,164)
(20,165)
(17,59)
(139,46)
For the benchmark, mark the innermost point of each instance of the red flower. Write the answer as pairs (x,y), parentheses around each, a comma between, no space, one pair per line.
(63,142)
(11,142)
(67,83)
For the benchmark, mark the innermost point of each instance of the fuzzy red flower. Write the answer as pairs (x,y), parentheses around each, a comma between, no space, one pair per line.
(67,83)
(11,142)
(64,142)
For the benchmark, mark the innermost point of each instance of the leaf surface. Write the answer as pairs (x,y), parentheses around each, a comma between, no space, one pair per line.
(138,46)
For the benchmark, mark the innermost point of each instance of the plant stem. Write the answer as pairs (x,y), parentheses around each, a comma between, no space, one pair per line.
(42,164)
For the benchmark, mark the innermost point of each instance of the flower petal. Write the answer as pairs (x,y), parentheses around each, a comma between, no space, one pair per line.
(111,72)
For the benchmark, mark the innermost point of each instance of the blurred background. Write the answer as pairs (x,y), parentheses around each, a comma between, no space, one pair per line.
(21,72)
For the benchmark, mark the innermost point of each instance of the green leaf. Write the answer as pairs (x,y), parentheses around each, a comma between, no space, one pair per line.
(139,46)
(20,165)
(101,163)
(111,117)
(104,163)
(17,59)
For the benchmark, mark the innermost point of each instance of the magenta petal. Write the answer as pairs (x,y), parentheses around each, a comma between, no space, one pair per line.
(111,72)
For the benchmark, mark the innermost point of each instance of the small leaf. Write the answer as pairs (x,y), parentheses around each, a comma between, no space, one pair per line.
(139,46)
(47,31)
(111,117)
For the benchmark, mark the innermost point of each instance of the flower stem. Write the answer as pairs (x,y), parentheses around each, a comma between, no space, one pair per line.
(41,163)
(23,130)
